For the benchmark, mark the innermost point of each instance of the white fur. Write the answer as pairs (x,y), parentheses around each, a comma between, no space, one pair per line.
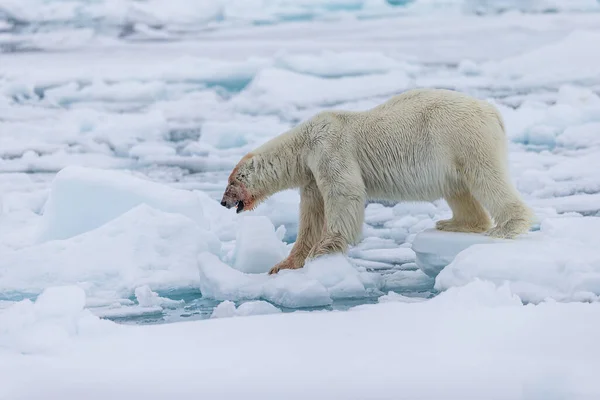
(422,145)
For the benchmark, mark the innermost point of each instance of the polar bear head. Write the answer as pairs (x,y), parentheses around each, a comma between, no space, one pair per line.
(241,189)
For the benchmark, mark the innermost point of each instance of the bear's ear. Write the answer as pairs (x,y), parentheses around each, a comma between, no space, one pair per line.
(248,168)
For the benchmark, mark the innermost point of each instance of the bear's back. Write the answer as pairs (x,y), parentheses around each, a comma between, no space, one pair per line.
(412,141)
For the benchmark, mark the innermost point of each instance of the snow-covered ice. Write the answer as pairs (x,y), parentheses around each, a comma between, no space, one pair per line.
(49,324)
(121,120)
(566,60)
(143,246)
(435,249)
(82,199)
(317,284)
(257,245)
(228,309)
(475,342)
(561,262)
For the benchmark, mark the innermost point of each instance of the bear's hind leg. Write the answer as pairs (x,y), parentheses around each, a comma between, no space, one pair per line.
(309,230)
(468,215)
(511,215)
(513,218)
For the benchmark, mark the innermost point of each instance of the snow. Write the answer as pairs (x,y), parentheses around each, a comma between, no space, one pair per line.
(66,22)
(408,281)
(147,298)
(390,256)
(561,262)
(436,249)
(294,90)
(150,149)
(580,136)
(82,199)
(121,120)
(395,297)
(471,341)
(317,284)
(50,323)
(58,300)
(228,309)
(219,281)
(257,247)
(336,65)
(143,246)
(569,58)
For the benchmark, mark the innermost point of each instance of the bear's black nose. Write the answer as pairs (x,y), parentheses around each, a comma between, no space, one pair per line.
(223,203)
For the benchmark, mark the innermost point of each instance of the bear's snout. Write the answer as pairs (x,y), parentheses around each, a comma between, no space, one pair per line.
(228,203)
(231,200)
(236,196)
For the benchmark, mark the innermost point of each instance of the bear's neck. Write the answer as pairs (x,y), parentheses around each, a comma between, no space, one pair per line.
(281,164)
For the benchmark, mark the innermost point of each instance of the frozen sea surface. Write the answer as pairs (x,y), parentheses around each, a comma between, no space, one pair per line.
(160,124)
(121,120)
(31,25)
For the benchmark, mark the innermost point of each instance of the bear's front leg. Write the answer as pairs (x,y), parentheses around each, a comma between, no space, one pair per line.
(330,243)
(309,230)
(344,202)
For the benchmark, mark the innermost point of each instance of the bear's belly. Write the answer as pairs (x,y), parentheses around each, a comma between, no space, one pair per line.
(405,192)
(426,181)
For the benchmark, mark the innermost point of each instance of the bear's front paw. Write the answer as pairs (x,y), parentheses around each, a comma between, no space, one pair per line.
(288,263)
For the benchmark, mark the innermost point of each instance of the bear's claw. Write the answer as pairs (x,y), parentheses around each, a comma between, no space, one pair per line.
(285,264)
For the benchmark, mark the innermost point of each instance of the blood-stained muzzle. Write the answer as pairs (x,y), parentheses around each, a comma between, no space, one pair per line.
(233,198)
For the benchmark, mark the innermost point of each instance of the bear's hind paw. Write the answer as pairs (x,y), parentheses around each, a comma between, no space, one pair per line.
(444,225)
(451,225)
(503,232)
(500,233)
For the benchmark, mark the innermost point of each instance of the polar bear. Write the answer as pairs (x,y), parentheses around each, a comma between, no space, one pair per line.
(421,145)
